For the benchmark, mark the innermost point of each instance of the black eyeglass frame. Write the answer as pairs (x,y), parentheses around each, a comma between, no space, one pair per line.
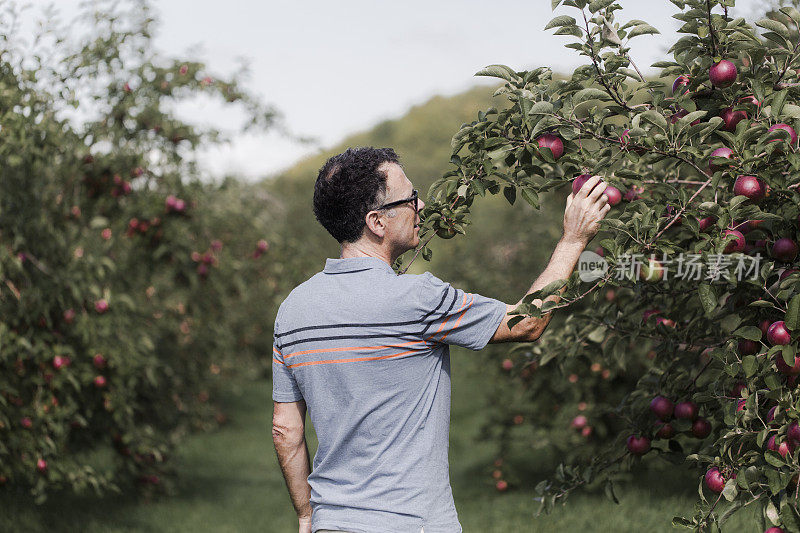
(413,198)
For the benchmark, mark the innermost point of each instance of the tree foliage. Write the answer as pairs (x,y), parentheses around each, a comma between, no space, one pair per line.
(706,334)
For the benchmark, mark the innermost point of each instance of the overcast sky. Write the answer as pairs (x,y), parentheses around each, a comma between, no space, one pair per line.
(335,68)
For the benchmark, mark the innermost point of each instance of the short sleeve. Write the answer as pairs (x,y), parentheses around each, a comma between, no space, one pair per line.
(284,386)
(452,316)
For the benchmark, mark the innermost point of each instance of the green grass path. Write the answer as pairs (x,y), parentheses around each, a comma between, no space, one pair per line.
(230,482)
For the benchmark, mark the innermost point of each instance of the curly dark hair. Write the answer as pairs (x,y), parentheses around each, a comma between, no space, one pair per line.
(349,186)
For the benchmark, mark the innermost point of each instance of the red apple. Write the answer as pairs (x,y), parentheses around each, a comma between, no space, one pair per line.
(613,194)
(751,100)
(587,431)
(508,364)
(679,115)
(60,361)
(736,245)
(99,361)
(751,187)
(723,73)
(701,428)
(638,445)
(771,414)
(648,313)
(777,334)
(725,152)
(764,326)
(578,182)
(99,382)
(785,250)
(793,433)
(41,466)
(787,447)
(579,422)
(738,388)
(262,245)
(553,142)
(706,222)
(686,410)
(666,322)
(740,405)
(101,305)
(680,84)
(714,480)
(748,347)
(773,530)
(635,191)
(69,316)
(731,118)
(783,368)
(26,422)
(662,407)
(501,485)
(651,271)
(665,430)
(788,129)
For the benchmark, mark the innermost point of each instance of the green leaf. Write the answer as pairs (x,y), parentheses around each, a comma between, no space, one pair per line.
(510,192)
(791,111)
(707,298)
(642,29)
(541,108)
(774,459)
(655,118)
(597,5)
(731,490)
(498,71)
(775,26)
(792,317)
(589,93)
(559,21)
(778,100)
(749,332)
(750,365)
(791,12)
(772,382)
(531,197)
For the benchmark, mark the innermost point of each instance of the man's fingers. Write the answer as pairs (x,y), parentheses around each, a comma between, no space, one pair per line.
(597,191)
(589,186)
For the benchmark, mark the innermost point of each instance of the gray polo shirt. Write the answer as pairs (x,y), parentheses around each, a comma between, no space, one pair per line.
(368,352)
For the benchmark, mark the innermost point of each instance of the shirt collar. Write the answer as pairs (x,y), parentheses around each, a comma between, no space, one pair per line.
(355,264)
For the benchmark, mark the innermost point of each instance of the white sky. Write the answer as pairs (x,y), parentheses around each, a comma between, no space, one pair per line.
(338,67)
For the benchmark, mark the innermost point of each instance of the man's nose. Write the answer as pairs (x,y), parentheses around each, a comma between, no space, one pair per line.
(421,205)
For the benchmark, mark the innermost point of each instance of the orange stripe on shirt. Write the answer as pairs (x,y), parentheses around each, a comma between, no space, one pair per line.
(276,361)
(353,360)
(324,350)
(448,318)
(274,349)
(459,319)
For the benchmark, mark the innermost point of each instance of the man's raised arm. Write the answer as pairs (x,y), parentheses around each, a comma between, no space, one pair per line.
(582,218)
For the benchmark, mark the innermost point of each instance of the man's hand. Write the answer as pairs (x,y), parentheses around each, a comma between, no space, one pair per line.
(585,209)
(304,524)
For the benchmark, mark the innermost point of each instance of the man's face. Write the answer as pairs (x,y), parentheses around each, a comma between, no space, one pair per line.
(402,232)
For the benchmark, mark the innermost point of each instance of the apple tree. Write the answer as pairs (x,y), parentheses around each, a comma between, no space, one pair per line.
(700,248)
(125,280)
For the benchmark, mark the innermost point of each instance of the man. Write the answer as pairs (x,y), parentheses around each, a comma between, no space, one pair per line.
(366,351)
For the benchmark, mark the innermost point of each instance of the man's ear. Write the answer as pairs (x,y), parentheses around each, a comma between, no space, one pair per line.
(376,223)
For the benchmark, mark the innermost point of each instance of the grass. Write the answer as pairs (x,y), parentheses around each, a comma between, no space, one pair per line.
(230,482)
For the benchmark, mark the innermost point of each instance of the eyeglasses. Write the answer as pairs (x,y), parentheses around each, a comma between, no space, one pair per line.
(413,198)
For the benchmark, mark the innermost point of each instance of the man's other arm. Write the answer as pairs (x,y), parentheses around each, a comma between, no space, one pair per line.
(582,218)
(288,435)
